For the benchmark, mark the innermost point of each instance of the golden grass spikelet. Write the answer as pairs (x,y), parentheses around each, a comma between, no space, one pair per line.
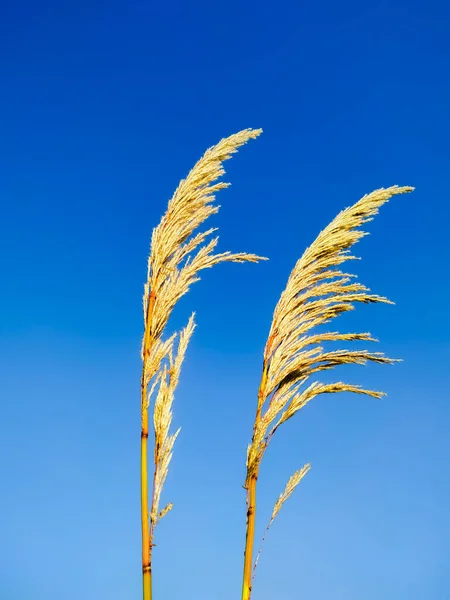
(164,511)
(292,483)
(155,357)
(162,417)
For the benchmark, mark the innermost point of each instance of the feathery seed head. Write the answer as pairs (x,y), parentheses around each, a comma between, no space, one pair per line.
(178,253)
(316,292)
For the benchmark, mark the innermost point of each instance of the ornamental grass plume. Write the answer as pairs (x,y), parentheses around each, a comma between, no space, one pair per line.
(177,255)
(316,292)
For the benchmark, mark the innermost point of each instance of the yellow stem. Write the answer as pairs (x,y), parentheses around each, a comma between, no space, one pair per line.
(251,499)
(249,539)
(146,563)
(146,538)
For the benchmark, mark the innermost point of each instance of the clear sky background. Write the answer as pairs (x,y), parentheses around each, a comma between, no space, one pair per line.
(104,106)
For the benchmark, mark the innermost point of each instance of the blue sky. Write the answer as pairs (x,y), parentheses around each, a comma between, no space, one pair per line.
(104,107)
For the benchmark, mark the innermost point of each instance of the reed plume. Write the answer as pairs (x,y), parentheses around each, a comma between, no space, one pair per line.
(317,291)
(177,255)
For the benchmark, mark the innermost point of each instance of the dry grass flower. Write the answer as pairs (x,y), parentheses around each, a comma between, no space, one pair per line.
(177,255)
(317,291)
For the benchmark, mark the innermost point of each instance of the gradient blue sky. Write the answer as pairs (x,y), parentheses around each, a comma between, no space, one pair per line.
(104,107)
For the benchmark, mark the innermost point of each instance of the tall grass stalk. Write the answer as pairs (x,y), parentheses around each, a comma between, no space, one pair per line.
(316,292)
(177,255)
